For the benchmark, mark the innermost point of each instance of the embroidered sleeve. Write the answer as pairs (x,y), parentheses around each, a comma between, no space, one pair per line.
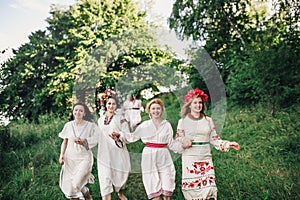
(180,133)
(215,139)
(86,144)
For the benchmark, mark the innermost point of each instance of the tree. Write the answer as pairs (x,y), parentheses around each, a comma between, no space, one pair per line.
(129,62)
(85,49)
(249,43)
(41,76)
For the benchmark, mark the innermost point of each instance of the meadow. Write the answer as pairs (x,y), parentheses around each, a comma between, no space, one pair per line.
(266,167)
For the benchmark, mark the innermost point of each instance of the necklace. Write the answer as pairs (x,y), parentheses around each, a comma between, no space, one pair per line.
(106,120)
(82,131)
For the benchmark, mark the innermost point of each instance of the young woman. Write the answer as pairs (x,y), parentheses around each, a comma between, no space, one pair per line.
(158,171)
(77,161)
(198,176)
(113,159)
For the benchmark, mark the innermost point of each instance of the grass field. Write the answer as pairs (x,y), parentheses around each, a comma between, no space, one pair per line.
(266,167)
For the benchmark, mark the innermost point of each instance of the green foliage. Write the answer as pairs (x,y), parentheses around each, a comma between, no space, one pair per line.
(266,167)
(256,50)
(40,77)
(269,74)
(30,159)
(128,63)
(221,24)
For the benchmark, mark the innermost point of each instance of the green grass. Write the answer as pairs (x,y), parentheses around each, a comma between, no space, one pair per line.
(266,167)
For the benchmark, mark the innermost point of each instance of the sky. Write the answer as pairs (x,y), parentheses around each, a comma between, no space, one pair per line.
(19,18)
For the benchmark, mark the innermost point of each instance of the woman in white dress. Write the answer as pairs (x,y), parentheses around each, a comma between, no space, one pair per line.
(76,159)
(198,176)
(158,171)
(133,111)
(127,107)
(113,159)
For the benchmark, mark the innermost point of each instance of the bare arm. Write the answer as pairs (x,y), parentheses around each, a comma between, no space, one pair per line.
(63,147)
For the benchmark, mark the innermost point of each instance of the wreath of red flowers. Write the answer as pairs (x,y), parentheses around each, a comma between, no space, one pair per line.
(106,95)
(194,94)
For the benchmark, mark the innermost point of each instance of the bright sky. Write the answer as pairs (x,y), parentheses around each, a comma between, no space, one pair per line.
(19,18)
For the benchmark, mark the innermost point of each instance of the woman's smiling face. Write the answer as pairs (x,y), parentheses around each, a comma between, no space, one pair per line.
(78,112)
(196,105)
(111,105)
(155,111)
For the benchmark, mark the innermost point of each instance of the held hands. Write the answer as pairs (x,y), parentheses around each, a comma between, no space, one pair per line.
(234,145)
(115,136)
(187,143)
(78,141)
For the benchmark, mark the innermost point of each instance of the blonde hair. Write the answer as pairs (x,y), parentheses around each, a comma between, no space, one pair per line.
(155,101)
(185,108)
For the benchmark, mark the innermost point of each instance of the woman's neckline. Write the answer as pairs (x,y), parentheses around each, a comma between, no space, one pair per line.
(157,122)
(81,123)
(107,119)
(195,118)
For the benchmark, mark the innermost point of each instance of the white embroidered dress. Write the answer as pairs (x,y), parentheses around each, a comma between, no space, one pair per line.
(113,162)
(158,171)
(198,175)
(78,162)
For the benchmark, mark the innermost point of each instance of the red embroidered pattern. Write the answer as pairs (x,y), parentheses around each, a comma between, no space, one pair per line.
(155,194)
(208,197)
(216,137)
(222,148)
(200,168)
(179,132)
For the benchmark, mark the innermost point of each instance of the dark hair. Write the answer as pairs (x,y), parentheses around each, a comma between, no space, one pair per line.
(88,115)
(114,98)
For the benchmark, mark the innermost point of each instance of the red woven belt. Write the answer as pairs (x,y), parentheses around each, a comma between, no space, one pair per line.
(155,145)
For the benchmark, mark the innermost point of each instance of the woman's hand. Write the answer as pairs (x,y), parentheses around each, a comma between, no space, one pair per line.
(78,141)
(115,136)
(61,159)
(187,143)
(234,145)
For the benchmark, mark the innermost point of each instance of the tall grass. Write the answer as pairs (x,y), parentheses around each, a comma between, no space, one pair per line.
(266,167)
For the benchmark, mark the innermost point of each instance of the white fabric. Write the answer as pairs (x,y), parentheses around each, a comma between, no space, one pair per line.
(133,111)
(198,176)
(113,162)
(78,162)
(158,170)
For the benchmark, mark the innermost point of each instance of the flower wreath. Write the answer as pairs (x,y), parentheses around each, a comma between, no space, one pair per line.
(105,96)
(194,94)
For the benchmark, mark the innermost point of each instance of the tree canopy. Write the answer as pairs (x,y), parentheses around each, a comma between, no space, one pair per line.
(254,43)
(86,49)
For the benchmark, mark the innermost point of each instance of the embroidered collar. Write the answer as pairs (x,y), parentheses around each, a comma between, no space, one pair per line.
(108,120)
(195,118)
